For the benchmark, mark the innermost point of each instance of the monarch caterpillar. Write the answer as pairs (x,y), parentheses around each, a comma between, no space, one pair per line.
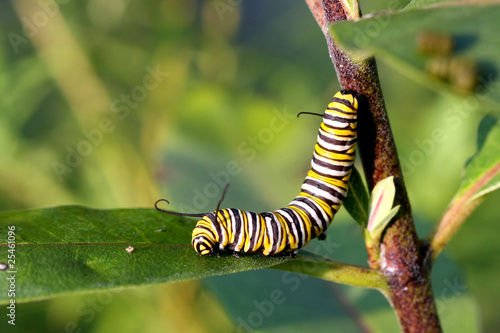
(309,215)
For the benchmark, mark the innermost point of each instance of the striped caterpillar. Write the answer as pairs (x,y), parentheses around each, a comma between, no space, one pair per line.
(309,215)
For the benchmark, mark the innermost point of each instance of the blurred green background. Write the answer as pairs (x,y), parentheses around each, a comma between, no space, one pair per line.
(117,103)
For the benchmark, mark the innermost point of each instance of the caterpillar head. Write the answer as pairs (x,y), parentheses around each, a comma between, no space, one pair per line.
(202,245)
(204,237)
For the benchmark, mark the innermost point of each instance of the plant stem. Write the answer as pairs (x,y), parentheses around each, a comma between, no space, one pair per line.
(336,271)
(401,260)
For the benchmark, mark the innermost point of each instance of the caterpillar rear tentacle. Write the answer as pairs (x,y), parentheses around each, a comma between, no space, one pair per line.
(309,215)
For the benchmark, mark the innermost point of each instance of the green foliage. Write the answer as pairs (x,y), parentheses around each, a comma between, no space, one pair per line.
(351,8)
(71,249)
(233,72)
(393,38)
(372,213)
(484,167)
(381,208)
(356,202)
(416,4)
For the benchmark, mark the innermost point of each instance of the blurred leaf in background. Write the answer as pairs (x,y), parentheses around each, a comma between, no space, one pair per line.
(118,103)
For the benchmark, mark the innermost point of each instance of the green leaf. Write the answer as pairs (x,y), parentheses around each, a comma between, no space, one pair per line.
(381,210)
(356,202)
(71,249)
(482,171)
(351,8)
(481,176)
(416,4)
(378,228)
(392,37)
